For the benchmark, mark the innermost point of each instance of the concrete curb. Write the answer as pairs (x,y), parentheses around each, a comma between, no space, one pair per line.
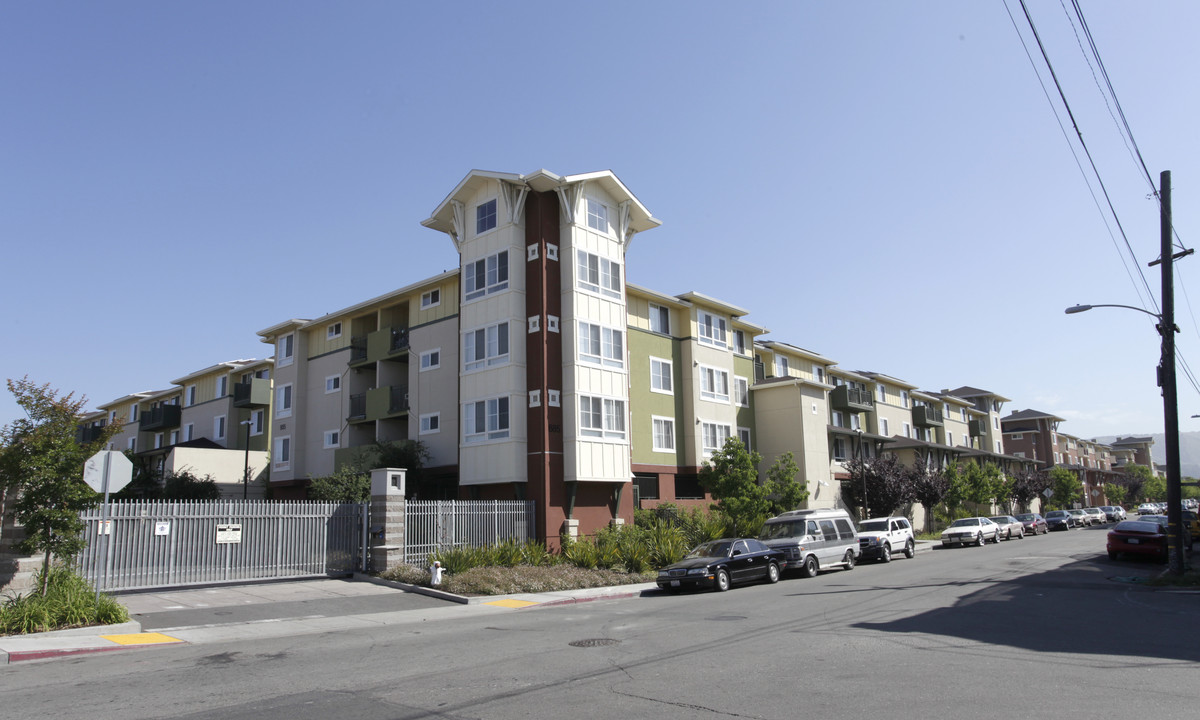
(420,590)
(53,636)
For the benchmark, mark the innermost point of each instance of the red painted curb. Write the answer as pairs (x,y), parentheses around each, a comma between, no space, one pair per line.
(574,601)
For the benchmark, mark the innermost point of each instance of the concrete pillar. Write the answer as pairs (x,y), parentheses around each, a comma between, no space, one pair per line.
(387,518)
(571,528)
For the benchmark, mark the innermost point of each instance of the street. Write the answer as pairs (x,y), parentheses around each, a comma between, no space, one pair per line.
(1028,627)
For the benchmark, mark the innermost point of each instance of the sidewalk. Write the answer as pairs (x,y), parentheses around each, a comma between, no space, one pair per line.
(211,615)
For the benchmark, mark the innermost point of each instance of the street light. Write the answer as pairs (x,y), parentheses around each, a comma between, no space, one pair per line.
(863,472)
(246,465)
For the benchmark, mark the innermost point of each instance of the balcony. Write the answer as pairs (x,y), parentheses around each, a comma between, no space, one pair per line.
(848,399)
(162,417)
(389,343)
(926,416)
(358,408)
(387,402)
(977,427)
(85,434)
(253,394)
(358,350)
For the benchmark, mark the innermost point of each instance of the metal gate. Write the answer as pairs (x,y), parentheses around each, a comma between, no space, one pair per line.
(432,525)
(155,544)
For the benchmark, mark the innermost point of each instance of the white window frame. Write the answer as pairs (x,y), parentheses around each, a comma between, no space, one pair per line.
(189,432)
(133,412)
(158,440)
(882,393)
(487,216)
(744,436)
(222,387)
(1018,436)
(131,444)
(907,430)
(331,439)
(285,350)
(883,427)
(781,366)
(819,373)
(657,367)
(660,319)
(495,414)
(333,330)
(431,423)
(431,359)
(431,298)
(601,345)
(496,346)
(189,396)
(257,422)
(333,383)
(602,417)
(597,275)
(494,271)
(281,455)
(712,329)
(741,391)
(667,426)
(714,383)
(285,398)
(713,431)
(220,427)
(904,399)
(173,438)
(597,216)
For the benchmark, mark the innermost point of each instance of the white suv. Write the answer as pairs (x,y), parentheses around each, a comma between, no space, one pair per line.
(878,538)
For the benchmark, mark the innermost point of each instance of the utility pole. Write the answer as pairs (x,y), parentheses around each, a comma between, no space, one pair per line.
(1167,381)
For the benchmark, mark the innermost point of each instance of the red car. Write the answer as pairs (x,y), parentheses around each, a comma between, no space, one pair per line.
(1138,537)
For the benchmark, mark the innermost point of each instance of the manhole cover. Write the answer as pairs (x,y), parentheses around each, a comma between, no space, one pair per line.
(594,642)
(1133,579)
(726,618)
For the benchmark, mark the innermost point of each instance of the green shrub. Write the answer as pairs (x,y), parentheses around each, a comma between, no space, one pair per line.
(69,602)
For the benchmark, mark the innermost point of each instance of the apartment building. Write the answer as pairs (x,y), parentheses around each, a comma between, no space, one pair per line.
(990,405)
(1134,450)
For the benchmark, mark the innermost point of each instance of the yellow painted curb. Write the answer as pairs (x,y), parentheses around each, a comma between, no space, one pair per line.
(141,639)
(509,603)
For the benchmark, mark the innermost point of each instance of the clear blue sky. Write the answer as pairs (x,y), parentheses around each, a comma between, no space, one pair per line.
(882,182)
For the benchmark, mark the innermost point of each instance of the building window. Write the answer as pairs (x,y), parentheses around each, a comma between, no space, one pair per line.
(904,398)
(1017,436)
(907,430)
(158,438)
(781,366)
(132,444)
(661,378)
(285,349)
(219,427)
(553,398)
(333,439)
(601,417)
(486,276)
(687,487)
(283,401)
(174,437)
(744,436)
(882,394)
(950,439)
(333,331)
(739,342)
(664,434)
(646,486)
(660,319)
(839,448)
(189,432)
(433,298)
(282,459)
(133,412)
(485,216)
(712,329)
(485,347)
(995,423)
(485,420)
(962,413)
(1019,454)
(741,391)
(431,423)
(333,383)
(598,275)
(714,437)
(601,345)
(189,396)
(257,418)
(597,215)
(819,373)
(714,384)
(431,359)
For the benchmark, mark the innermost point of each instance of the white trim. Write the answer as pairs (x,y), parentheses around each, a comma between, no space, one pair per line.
(336,384)
(668,422)
(553,398)
(427,300)
(434,357)
(285,350)
(741,384)
(333,330)
(331,439)
(670,375)
(475,361)
(713,392)
(284,409)
(281,456)
(220,427)
(435,422)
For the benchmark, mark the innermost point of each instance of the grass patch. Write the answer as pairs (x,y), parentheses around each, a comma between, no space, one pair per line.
(496,580)
(69,602)
(1190,578)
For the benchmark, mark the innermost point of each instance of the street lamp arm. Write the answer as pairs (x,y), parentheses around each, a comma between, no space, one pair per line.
(1084,308)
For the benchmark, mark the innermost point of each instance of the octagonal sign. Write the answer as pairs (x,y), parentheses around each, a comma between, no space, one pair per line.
(107,465)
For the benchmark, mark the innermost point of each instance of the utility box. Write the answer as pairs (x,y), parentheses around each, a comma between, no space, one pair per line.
(387,482)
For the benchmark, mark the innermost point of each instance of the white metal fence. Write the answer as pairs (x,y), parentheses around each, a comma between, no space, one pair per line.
(431,525)
(149,544)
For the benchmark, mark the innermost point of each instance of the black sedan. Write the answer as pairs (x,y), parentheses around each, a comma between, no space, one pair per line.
(1059,520)
(721,563)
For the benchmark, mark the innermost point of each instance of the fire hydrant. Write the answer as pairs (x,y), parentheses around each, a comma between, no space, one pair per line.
(435,571)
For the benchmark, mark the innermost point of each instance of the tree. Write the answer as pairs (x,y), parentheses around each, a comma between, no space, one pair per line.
(41,463)
(1066,486)
(186,486)
(348,484)
(982,484)
(731,476)
(1115,493)
(889,486)
(929,487)
(352,481)
(1134,478)
(1026,485)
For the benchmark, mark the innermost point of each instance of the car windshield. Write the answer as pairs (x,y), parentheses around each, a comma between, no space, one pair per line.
(965,522)
(1024,518)
(781,529)
(873,526)
(716,548)
(1001,519)
(1055,513)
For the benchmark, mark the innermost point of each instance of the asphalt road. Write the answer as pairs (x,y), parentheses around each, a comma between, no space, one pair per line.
(1027,628)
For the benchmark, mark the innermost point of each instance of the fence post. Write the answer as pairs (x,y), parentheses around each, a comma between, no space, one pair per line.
(387,518)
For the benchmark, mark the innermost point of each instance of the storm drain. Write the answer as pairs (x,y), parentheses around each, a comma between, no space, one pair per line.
(594,642)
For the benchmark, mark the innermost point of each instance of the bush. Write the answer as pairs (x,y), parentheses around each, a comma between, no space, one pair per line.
(69,602)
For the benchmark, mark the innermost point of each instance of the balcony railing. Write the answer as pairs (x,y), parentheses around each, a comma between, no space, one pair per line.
(399,339)
(253,394)
(85,434)
(850,399)
(160,418)
(358,407)
(358,349)
(977,427)
(397,399)
(927,416)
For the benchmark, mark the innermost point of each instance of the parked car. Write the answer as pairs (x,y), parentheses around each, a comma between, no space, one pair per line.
(1147,509)
(878,538)
(1081,518)
(1097,515)
(972,530)
(1192,521)
(719,564)
(1008,526)
(1163,521)
(1138,537)
(813,540)
(1059,520)
(1034,523)
(1114,513)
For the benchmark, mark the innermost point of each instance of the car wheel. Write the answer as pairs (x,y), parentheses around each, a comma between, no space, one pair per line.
(809,568)
(979,539)
(1009,535)
(996,538)
(885,553)
(772,573)
(722,583)
(849,560)
(910,549)
(1112,556)
(1020,534)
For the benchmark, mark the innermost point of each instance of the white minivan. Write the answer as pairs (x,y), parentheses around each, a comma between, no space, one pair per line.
(814,540)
